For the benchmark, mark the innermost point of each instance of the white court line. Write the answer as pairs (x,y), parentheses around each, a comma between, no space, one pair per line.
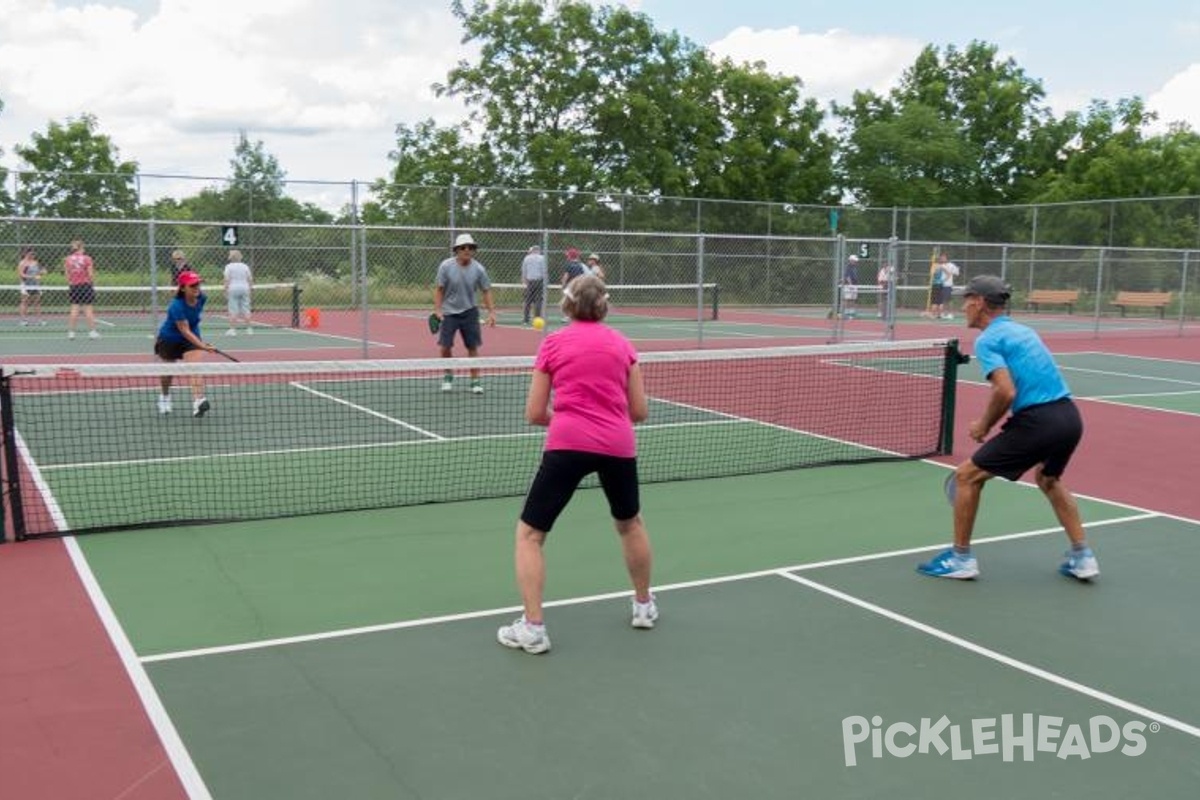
(1128,357)
(172,743)
(177,753)
(1139,407)
(1113,374)
(365,410)
(342,633)
(1008,661)
(1144,394)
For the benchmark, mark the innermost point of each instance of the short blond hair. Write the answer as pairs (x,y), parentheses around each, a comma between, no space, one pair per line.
(235,255)
(585,298)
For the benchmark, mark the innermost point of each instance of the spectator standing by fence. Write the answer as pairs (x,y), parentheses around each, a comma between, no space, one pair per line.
(533,276)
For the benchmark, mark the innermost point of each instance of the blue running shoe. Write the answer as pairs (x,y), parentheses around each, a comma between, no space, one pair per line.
(1081,566)
(948,564)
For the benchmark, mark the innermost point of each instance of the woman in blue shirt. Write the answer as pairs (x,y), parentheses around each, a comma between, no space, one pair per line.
(179,339)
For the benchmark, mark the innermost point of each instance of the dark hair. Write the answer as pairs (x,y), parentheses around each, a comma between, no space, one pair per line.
(585,298)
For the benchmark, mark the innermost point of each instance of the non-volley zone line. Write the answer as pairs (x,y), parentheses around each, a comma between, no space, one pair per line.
(342,633)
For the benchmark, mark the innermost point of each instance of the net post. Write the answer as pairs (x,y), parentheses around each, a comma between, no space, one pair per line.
(953,359)
(11,489)
(295,305)
(716,300)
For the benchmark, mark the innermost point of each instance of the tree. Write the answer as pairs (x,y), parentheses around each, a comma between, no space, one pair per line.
(428,158)
(1110,156)
(598,102)
(6,202)
(961,128)
(75,171)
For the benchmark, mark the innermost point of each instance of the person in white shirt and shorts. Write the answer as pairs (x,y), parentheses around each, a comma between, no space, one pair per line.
(238,281)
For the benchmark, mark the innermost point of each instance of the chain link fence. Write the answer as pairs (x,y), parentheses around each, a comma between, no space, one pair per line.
(730,285)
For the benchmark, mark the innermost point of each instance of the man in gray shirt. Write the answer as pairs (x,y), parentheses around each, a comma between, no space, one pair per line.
(533,275)
(458,278)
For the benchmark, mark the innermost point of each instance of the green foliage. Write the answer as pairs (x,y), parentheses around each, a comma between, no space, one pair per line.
(76,172)
(960,129)
(595,103)
(6,201)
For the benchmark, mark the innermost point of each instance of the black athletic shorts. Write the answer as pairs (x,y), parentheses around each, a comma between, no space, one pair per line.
(1044,434)
(172,351)
(467,322)
(559,475)
(81,294)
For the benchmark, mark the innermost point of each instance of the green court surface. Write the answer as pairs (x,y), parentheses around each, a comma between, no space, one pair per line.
(1165,384)
(354,655)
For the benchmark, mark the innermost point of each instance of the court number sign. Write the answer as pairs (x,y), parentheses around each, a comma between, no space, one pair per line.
(229,235)
(864,250)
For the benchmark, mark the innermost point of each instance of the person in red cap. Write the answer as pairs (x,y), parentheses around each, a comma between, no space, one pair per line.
(179,339)
(574,266)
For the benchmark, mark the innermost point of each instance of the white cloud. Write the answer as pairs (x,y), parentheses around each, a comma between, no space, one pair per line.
(832,64)
(322,84)
(1179,99)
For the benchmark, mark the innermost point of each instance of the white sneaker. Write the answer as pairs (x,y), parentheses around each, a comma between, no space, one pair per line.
(164,405)
(447,386)
(530,638)
(70,334)
(93,334)
(644,614)
(231,332)
(249,331)
(200,407)
(476,387)
(1082,565)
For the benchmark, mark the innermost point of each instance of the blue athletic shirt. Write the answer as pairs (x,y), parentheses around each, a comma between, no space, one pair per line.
(180,310)
(1017,348)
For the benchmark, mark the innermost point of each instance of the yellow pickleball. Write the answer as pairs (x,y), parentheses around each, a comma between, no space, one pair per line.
(538,323)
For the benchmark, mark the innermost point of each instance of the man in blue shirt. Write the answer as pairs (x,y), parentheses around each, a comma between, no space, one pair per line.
(1042,432)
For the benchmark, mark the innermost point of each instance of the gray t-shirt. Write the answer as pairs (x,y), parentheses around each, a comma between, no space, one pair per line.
(459,284)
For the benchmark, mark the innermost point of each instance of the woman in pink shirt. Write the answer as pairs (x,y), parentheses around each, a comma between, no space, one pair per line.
(598,395)
(81,274)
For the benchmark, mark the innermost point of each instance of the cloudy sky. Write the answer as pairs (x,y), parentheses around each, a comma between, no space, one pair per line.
(323,84)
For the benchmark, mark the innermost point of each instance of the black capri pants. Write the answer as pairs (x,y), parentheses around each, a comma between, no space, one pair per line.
(559,476)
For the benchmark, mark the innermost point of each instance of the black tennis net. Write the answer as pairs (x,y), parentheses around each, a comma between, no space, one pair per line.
(86,447)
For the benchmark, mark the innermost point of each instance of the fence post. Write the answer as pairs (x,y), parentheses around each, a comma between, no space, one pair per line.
(700,290)
(153,269)
(1183,295)
(1099,288)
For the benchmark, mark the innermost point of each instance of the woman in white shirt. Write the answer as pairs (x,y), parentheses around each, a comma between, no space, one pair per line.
(237,292)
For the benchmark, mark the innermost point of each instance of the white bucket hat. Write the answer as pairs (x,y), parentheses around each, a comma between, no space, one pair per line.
(463,240)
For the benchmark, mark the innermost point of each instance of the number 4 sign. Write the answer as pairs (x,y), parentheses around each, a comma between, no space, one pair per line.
(229,235)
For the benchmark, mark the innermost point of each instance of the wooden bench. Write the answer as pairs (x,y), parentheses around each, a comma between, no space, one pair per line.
(1067,297)
(1158,300)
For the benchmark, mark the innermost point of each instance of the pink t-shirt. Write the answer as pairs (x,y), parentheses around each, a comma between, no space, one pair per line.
(79,268)
(588,364)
